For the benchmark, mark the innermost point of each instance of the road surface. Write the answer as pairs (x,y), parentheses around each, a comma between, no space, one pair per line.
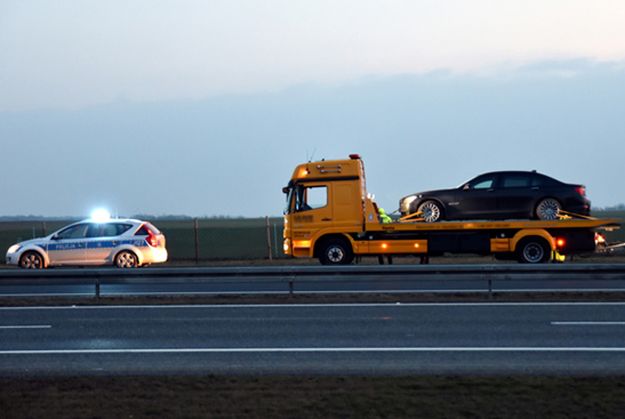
(370,339)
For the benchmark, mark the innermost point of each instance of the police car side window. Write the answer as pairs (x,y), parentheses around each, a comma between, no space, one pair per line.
(74,232)
(121,228)
(142,231)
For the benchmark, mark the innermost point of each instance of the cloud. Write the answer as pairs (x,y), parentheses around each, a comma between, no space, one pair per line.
(232,154)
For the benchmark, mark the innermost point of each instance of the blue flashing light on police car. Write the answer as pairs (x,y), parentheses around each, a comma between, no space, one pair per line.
(100,240)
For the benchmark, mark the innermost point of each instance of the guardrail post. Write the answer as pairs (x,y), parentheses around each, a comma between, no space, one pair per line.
(269,247)
(196,229)
(291,287)
(97,288)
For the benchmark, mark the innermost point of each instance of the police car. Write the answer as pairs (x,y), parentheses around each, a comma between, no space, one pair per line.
(125,243)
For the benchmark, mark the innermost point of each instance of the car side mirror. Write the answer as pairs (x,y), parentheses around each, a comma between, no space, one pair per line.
(55,237)
(465,187)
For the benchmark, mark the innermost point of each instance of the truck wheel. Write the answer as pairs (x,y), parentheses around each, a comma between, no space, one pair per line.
(431,211)
(533,250)
(336,252)
(31,260)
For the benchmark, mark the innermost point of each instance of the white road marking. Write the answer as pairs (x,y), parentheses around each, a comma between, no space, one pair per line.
(308,350)
(398,304)
(588,323)
(32,326)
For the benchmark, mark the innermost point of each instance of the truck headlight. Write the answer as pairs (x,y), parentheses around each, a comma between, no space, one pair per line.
(14,248)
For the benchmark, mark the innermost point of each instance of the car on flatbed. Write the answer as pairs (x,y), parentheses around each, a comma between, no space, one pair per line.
(125,243)
(499,196)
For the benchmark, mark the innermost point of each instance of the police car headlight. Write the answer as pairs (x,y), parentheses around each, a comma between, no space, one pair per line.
(14,248)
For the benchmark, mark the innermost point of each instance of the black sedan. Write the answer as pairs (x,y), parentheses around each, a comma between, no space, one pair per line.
(500,195)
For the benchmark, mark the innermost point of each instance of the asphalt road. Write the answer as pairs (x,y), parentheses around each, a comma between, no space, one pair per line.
(371,339)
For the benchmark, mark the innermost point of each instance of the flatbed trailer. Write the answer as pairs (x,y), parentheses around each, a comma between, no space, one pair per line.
(330,216)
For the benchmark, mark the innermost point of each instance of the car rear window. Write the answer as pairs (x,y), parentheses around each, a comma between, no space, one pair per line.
(542,180)
(146,229)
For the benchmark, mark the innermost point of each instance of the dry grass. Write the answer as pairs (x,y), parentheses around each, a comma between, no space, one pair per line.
(313,397)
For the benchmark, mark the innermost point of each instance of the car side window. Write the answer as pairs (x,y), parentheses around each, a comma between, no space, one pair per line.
(482,183)
(143,231)
(515,181)
(77,231)
(107,230)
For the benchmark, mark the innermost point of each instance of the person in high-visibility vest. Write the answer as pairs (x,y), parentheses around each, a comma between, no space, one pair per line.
(384,217)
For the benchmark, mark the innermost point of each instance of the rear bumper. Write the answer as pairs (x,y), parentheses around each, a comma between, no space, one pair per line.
(154,255)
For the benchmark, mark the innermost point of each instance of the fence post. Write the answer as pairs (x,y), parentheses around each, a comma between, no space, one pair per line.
(275,240)
(196,229)
(268,238)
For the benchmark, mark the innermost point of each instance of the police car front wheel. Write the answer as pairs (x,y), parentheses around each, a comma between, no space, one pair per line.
(126,259)
(31,260)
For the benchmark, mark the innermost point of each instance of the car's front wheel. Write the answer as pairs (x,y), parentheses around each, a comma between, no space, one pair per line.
(548,209)
(126,259)
(31,260)
(431,211)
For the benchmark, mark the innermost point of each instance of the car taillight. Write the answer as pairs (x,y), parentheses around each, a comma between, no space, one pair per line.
(153,240)
(581,190)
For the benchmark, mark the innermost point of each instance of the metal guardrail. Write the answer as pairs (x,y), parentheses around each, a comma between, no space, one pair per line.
(290,275)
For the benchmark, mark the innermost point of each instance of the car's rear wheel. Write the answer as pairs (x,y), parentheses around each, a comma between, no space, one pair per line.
(533,250)
(31,260)
(126,259)
(431,211)
(548,209)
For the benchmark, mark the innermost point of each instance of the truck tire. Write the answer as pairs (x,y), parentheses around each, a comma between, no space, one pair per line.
(533,250)
(335,252)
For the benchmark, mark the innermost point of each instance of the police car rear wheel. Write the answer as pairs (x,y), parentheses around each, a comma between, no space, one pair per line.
(126,259)
(31,260)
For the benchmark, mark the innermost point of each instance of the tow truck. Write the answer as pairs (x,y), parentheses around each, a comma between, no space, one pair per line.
(330,216)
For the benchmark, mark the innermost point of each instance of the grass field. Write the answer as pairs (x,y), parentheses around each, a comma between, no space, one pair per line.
(219,239)
(313,397)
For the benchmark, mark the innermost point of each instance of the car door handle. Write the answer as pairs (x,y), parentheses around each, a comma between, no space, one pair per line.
(535,188)
(326,219)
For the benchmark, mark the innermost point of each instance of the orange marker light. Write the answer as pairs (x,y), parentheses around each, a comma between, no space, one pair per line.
(384,245)
(560,242)
(416,245)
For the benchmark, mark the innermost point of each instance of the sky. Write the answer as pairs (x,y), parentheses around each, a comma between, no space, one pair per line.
(204,108)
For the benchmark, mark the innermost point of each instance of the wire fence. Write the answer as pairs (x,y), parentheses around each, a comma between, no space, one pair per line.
(187,240)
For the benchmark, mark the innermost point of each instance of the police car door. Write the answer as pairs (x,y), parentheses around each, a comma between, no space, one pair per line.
(102,239)
(68,245)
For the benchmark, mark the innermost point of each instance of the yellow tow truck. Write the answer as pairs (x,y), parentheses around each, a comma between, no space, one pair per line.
(329,215)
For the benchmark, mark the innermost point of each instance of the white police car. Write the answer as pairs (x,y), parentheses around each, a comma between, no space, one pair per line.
(125,243)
